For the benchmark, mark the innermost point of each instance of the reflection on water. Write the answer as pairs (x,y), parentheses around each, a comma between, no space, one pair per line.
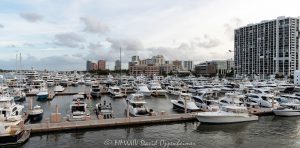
(118,104)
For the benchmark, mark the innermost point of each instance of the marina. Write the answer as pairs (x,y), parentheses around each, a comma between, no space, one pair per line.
(97,105)
(153,74)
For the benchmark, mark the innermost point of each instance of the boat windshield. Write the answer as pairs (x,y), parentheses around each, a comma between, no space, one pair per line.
(137,105)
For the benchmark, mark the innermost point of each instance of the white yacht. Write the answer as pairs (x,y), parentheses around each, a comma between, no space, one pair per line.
(115,92)
(81,81)
(88,81)
(262,100)
(136,105)
(185,101)
(290,109)
(142,88)
(283,86)
(13,133)
(227,114)
(58,88)
(96,91)
(50,82)
(156,89)
(126,88)
(174,90)
(9,110)
(64,81)
(79,111)
(201,103)
(43,94)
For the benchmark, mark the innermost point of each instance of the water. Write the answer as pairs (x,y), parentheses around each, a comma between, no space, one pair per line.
(269,131)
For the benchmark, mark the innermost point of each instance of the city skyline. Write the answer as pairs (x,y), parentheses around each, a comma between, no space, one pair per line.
(63,35)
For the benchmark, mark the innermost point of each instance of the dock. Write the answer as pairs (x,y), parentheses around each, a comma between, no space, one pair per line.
(47,127)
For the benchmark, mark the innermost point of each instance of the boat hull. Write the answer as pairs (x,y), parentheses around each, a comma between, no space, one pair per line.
(33,118)
(225,119)
(19,98)
(287,113)
(146,93)
(42,97)
(96,94)
(14,140)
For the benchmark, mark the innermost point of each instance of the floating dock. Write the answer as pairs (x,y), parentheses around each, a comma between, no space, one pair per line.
(104,123)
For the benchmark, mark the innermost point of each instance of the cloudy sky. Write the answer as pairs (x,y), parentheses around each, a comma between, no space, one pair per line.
(63,34)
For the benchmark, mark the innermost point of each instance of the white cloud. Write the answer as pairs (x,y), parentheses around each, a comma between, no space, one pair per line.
(197,30)
(126,44)
(70,39)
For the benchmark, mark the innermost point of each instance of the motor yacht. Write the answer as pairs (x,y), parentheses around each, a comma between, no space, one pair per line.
(227,114)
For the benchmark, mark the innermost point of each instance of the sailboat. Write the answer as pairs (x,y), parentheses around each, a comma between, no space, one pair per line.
(18,93)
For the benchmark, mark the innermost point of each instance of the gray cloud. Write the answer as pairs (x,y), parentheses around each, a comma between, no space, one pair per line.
(92,25)
(62,62)
(97,51)
(229,27)
(70,39)
(31,17)
(1,26)
(126,44)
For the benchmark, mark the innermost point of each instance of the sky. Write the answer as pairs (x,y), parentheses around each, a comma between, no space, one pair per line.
(63,35)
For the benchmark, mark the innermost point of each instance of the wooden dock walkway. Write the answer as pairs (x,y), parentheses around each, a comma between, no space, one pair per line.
(104,123)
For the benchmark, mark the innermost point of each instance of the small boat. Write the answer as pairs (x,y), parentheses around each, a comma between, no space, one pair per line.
(105,110)
(19,95)
(50,82)
(35,114)
(290,109)
(115,92)
(13,133)
(136,105)
(96,91)
(42,95)
(227,114)
(184,101)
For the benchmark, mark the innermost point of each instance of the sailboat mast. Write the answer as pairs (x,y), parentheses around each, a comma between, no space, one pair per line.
(120,63)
